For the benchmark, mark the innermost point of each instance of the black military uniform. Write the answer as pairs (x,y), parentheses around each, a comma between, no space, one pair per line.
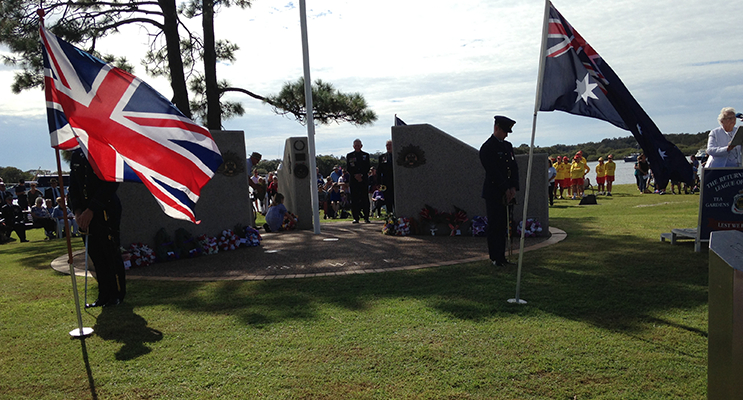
(87,191)
(357,162)
(13,219)
(501,174)
(386,178)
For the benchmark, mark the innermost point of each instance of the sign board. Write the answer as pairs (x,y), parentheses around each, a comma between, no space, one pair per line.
(721,201)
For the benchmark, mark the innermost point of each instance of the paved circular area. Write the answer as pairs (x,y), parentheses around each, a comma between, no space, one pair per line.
(341,248)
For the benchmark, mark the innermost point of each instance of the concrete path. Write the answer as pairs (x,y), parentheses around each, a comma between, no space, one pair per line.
(341,248)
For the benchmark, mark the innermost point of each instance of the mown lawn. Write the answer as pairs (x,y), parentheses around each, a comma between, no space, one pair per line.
(612,313)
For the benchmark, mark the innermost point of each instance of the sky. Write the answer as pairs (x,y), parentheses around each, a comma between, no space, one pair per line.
(453,65)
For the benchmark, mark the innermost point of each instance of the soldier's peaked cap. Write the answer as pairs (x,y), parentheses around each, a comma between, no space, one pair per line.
(505,123)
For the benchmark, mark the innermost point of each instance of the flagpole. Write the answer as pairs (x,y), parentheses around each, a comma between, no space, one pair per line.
(310,117)
(80,332)
(538,99)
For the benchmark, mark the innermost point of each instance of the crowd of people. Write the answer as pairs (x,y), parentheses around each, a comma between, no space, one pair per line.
(33,209)
(359,190)
(573,177)
(568,179)
(646,184)
(720,152)
(90,206)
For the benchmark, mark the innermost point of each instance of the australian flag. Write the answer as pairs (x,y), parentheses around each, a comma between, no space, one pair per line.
(128,131)
(578,81)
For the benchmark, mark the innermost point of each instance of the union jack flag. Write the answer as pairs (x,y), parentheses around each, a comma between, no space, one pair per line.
(569,39)
(573,71)
(127,130)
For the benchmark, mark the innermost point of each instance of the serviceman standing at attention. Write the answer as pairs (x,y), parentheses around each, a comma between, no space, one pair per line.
(97,210)
(500,186)
(358,165)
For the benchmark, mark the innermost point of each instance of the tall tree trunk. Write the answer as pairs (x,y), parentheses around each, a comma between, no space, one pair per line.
(213,111)
(175,62)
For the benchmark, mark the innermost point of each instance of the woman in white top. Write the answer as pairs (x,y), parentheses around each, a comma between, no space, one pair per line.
(721,153)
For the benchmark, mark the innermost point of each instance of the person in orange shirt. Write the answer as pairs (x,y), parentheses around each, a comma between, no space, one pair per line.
(601,175)
(611,168)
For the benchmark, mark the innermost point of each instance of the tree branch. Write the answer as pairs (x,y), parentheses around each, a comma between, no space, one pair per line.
(131,21)
(248,92)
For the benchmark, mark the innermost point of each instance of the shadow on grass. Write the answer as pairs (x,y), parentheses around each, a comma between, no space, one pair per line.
(37,254)
(88,370)
(122,325)
(615,194)
(616,282)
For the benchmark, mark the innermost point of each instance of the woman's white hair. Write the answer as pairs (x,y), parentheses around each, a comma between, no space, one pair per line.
(726,112)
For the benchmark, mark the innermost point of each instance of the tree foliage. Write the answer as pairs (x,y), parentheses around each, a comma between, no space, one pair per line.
(199,104)
(266,166)
(83,23)
(326,163)
(330,105)
(13,175)
(209,55)
(620,147)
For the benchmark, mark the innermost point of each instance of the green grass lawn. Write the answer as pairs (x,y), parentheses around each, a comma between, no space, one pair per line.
(612,313)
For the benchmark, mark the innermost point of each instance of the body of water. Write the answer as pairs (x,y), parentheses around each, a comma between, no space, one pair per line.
(624,174)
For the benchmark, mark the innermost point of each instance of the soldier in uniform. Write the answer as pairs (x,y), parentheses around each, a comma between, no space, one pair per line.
(98,212)
(500,186)
(386,177)
(358,165)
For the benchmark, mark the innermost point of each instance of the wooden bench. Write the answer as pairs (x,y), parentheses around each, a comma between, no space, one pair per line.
(675,234)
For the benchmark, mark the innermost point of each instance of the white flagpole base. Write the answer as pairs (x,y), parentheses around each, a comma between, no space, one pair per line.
(77,332)
(517,301)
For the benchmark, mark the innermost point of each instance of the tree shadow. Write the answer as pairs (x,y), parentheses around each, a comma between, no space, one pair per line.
(38,253)
(610,280)
(122,325)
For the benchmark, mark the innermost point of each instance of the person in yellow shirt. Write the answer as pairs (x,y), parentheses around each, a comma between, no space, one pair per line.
(568,181)
(577,172)
(611,168)
(563,173)
(585,164)
(601,175)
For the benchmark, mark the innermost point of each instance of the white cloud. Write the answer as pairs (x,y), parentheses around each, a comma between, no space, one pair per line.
(454,65)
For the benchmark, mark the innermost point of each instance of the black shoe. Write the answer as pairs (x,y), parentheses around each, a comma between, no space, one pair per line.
(367,220)
(113,303)
(356,221)
(504,263)
(96,303)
